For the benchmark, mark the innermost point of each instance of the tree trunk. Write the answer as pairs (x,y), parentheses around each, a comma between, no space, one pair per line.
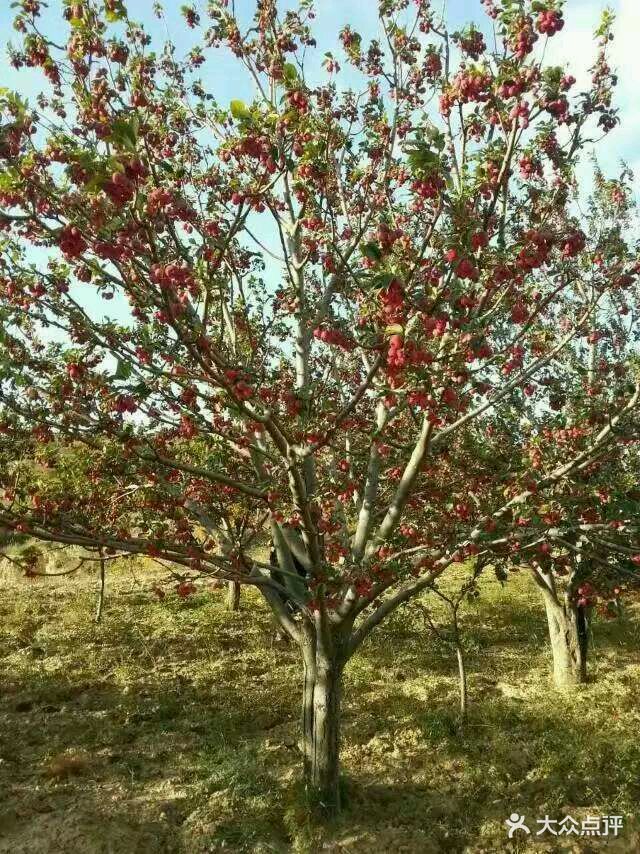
(462,669)
(569,642)
(100,602)
(233,596)
(462,674)
(322,686)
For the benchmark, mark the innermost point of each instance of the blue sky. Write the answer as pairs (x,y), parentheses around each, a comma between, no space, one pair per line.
(574,46)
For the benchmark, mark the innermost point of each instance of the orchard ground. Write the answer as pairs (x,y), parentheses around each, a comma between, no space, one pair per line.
(168,727)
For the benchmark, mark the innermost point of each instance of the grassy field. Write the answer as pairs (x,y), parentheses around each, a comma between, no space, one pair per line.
(172,727)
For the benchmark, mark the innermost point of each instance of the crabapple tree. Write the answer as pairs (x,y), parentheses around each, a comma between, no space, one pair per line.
(577,533)
(322,303)
(591,542)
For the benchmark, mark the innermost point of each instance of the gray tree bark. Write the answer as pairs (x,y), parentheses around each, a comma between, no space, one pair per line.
(568,629)
(233,595)
(462,676)
(568,635)
(101,587)
(322,690)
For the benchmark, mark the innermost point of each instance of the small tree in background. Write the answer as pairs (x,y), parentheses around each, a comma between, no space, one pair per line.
(324,305)
(449,630)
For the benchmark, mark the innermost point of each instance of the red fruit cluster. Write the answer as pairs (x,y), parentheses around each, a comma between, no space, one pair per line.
(350,40)
(515,362)
(314,223)
(490,8)
(76,11)
(159,201)
(536,251)
(118,53)
(520,112)
(12,138)
(550,22)
(574,244)
(392,299)
(334,336)
(386,236)
(71,241)
(187,428)
(255,201)
(479,240)
(511,88)
(435,326)
(523,37)
(472,86)
(363,586)
(472,43)
(125,403)
(559,108)
(240,388)
(530,167)
(432,65)
(298,101)
(75,371)
(185,589)
(258,148)
(119,188)
(449,396)
(419,398)
(109,251)
(428,187)
(292,403)
(587,595)
(396,356)
(191,16)
(548,143)
(467,270)
(174,276)
(462,511)
(519,313)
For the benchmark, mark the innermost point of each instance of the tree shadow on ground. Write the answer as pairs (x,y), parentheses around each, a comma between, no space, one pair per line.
(136,764)
(172,728)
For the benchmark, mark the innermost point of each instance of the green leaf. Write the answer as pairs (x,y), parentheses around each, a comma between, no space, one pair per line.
(383,280)
(115,12)
(7,181)
(123,371)
(372,252)
(142,391)
(14,100)
(239,110)
(125,133)
(435,137)
(422,157)
(290,72)
(394,329)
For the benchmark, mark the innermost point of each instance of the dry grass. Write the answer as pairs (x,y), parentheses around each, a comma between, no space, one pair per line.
(171,727)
